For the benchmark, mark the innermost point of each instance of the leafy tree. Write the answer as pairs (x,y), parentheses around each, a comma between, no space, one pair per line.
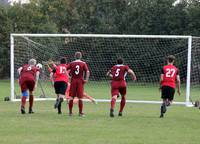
(97,16)
(193,18)
(4,42)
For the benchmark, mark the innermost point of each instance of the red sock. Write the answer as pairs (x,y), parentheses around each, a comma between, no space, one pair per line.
(23,101)
(70,105)
(122,104)
(31,98)
(80,106)
(113,101)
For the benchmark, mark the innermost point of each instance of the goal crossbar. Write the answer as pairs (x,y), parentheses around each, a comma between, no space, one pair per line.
(103,35)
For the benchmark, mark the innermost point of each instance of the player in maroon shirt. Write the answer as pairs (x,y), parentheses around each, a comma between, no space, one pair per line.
(60,79)
(118,85)
(28,80)
(78,69)
(85,95)
(168,78)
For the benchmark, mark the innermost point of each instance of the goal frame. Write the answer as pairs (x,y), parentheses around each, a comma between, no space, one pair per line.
(189,38)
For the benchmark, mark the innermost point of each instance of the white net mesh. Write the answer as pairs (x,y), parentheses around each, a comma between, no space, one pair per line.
(195,69)
(145,56)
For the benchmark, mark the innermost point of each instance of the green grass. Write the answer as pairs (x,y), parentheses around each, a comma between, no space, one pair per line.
(101,90)
(139,125)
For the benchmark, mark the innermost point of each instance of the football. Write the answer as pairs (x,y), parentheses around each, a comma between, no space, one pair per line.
(39,65)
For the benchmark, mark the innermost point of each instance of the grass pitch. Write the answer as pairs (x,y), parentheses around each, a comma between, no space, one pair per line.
(140,123)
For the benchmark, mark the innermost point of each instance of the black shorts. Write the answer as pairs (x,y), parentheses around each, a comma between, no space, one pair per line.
(60,87)
(168,93)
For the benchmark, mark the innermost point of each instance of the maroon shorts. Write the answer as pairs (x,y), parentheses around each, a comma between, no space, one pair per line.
(27,85)
(76,88)
(118,87)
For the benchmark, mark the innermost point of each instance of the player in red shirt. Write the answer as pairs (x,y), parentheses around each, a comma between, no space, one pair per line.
(60,80)
(168,78)
(85,95)
(118,85)
(28,79)
(78,69)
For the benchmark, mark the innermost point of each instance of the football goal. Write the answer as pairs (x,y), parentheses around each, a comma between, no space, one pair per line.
(145,54)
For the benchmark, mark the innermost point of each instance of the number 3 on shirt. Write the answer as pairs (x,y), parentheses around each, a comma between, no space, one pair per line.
(77,69)
(117,72)
(170,72)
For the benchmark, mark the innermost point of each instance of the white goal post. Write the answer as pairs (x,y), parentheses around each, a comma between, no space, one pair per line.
(146,47)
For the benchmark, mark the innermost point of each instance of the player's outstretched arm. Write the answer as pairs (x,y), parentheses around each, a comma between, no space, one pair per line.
(179,84)
(49,68)
(133,76)
(109,74)
(19,70)
(52,62)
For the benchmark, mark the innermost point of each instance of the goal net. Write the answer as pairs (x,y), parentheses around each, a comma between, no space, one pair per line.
(145,54)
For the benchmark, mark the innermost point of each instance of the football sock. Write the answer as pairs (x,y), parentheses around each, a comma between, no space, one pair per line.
(22,110)
(80,105)
(161,111)
(161,115)
(122,104)
(23,101)
(56,103)
(60,105)
(168,103)
(70,105)
(61,99)
(59,108)
(111,113)
(31,101)
(113,101)
(164,108)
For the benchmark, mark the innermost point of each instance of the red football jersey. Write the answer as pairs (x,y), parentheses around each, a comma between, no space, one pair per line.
(60,73)
(77,69)
(28,72)
(119,72)
(170,73)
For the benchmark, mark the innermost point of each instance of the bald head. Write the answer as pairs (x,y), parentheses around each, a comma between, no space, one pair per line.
(32,62)
(78,55)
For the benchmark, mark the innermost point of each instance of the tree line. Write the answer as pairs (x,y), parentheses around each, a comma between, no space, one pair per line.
(149,17)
